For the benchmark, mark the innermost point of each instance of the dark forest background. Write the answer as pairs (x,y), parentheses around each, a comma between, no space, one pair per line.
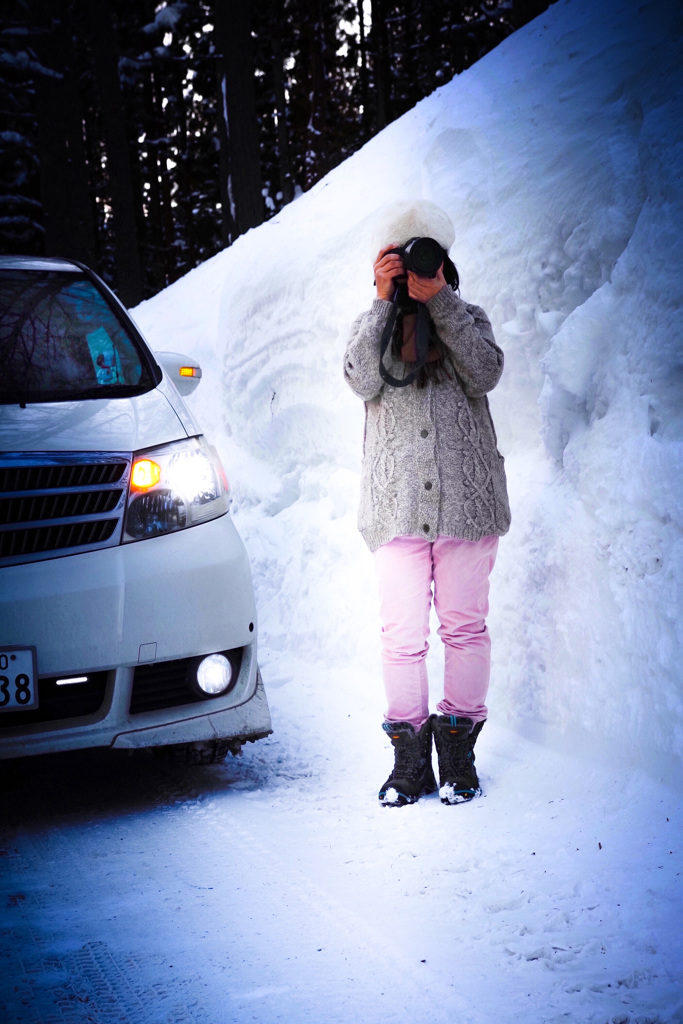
(143,137)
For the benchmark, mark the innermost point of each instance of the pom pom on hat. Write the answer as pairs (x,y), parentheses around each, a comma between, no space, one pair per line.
(396,223)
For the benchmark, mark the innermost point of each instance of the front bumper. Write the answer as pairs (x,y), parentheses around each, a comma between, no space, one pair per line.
(241,716)
(158,601)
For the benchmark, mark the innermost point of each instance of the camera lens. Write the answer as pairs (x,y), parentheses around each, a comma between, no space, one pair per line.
(424,256)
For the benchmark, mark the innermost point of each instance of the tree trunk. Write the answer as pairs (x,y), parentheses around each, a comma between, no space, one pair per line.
(282,113)
(128,275)
(240,163)
(364,91)
(64,179)
(380,62)
(316,147)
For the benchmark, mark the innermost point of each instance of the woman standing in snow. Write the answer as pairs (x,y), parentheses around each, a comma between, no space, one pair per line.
(433,497)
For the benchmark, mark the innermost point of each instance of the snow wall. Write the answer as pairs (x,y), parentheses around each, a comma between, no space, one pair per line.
(559,158)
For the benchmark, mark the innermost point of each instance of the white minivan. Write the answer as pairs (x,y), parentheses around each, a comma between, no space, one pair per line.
(127,615)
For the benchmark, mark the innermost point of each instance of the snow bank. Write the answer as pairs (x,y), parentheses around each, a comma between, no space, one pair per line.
(559,158)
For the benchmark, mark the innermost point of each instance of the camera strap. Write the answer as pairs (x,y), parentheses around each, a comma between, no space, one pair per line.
(421,345)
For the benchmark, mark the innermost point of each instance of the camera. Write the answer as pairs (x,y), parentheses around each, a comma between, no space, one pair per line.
(423,256)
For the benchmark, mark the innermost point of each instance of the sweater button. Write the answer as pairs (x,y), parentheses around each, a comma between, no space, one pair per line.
(428,486)
(424,433)
(426,528)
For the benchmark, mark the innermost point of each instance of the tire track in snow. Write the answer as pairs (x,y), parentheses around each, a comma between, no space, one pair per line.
(43,984)
(355,951)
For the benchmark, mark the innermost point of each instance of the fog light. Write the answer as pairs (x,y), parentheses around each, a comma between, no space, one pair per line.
(214,675)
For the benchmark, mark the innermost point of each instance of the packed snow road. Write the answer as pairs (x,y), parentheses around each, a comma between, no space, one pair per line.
(274,888)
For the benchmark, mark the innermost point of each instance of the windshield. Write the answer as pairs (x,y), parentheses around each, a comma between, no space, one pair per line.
(61,341)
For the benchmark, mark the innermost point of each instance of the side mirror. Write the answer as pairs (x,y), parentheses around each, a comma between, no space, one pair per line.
(185,373)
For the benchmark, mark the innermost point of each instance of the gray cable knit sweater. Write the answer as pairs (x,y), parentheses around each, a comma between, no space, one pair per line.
(430,462)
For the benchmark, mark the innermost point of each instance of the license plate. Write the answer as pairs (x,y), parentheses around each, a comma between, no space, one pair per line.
(18,682)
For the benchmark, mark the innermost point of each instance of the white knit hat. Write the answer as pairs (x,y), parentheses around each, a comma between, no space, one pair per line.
(396,223)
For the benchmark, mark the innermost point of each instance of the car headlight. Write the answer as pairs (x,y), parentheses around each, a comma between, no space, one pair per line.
(173,487)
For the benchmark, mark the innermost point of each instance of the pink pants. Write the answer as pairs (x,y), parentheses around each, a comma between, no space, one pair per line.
(459,571)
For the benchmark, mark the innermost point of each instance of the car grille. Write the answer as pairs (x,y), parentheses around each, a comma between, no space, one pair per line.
(57,506)
(60,702)
(164,683)
(50,477)
(60,503)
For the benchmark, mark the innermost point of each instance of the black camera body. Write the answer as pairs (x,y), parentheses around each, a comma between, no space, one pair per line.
(422,256)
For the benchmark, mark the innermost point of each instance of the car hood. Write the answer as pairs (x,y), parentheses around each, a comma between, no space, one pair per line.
(115,424)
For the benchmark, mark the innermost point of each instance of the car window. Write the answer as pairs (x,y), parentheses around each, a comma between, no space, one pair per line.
(60,341)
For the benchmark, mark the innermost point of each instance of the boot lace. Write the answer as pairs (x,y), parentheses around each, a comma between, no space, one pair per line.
(409,758)
(456,756)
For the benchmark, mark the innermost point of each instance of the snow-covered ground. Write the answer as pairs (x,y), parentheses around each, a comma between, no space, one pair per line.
(275,888)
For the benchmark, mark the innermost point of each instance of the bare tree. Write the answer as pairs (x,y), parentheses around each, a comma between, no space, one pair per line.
(64,178)
(127,270)
(240,165)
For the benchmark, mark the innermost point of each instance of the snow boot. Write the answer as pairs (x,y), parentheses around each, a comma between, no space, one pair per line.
(455,738)
(413,775)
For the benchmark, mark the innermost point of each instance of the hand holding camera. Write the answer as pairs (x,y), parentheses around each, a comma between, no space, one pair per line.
(388,268)
(408,276)
(422,289)
(418,264)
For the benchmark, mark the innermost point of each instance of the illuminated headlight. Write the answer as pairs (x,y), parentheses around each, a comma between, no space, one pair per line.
(213,675)
(179,485)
